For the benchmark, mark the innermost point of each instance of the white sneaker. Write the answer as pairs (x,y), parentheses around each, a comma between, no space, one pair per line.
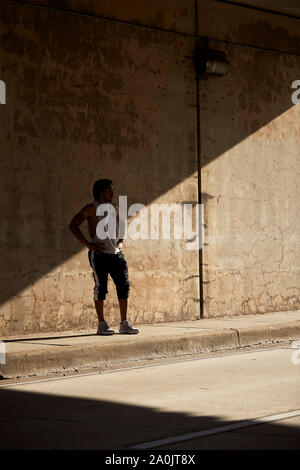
(127,329)
(104,329)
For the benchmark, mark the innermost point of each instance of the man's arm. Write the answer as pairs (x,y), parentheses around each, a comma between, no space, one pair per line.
(77,220)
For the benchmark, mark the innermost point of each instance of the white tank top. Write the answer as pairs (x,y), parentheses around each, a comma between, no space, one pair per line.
(110,244)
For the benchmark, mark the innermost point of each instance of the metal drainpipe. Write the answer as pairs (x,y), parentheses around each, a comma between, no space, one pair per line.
(201,303)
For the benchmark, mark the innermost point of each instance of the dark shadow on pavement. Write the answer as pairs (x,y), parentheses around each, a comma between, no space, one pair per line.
(41,421)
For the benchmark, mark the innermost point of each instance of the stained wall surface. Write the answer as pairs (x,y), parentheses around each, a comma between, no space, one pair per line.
(250,143)
(99,90)
(89,98)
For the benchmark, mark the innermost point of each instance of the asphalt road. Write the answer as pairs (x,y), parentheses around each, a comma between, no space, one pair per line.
(207,403)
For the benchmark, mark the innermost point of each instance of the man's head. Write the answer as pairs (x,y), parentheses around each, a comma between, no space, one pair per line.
(103,190)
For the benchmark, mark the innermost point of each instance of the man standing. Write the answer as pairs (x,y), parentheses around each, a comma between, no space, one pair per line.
(105,256)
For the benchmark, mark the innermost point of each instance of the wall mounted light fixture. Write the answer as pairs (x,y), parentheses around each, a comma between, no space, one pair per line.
(216,67)
(210,62)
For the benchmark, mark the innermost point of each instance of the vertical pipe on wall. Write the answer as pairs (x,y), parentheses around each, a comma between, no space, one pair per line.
(198,159)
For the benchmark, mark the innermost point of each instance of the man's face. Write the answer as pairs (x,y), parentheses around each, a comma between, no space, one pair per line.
(108,193)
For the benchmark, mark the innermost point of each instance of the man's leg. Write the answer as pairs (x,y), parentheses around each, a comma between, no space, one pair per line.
(119,274)
(121,279)
(99,309)
(98,264)
(123,303)
(103,328)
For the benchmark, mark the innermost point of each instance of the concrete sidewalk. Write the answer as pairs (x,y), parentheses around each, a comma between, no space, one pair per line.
(79,350)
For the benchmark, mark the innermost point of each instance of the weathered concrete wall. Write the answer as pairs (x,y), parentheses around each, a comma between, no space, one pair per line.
(250,165)
(248,27)
(109,90)
(90,98)
(174,15)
